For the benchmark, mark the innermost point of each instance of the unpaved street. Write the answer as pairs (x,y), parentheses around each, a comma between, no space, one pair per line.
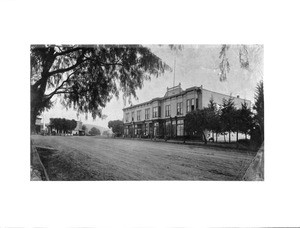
(92,158)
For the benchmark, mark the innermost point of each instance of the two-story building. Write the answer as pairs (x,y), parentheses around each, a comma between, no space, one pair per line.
(164,116)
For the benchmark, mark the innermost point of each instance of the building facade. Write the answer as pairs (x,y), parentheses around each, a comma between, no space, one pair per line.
(164,116)
(78,130)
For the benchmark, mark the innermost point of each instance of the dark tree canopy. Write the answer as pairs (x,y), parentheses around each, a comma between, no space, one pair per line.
(116,126)
(224,64)
(62,124)
(259,107)
(195,123)
(243,57)
(94,131)
(213,117)
(87,76)
(228,116)
(245,119)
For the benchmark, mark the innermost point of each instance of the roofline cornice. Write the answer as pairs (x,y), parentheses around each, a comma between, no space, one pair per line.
(163,98)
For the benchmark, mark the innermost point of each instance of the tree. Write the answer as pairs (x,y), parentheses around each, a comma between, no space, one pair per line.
(83,127)
(87,77)
(259,107)
(72,125)
(213,117)
(63,125)
(224,64)
(245,120)
(117,127)
(237,122)
(228,113)
(243,56)
(195,123)
(94,131)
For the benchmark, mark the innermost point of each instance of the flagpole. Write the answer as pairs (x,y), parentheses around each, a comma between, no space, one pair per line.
(174,70)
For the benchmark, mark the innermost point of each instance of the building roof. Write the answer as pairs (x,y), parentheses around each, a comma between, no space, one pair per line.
(177,91)
(171,92)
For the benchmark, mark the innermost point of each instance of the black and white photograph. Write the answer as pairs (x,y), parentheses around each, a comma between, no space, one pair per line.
(147,112)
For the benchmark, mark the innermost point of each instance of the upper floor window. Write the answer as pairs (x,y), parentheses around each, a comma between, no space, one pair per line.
(179,108)
(192,104)
(188,105)
(155,112)
(127,117)
(132,116)
(138,115)
(167,111)
(147,113)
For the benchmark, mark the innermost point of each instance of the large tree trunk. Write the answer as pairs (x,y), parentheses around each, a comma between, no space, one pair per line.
(33,116)
(204,137)
(38,101)
(37,90)
(34,109)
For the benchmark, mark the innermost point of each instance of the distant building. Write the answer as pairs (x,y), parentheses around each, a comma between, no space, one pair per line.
(164,116)
(78,130)
(38,125)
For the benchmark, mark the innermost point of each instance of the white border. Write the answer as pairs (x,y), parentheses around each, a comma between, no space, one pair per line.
(274,202)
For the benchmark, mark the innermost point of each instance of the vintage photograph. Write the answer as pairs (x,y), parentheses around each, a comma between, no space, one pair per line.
(147,112)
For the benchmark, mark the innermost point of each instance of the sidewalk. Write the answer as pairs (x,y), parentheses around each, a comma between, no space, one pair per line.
(255,171)
(197,143)
(37,169)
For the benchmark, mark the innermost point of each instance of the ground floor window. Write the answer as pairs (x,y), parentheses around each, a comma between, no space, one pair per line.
(126,130)
(131,131)
(168,127)
(138,130)
(147,129)
(156,128)
(180,128)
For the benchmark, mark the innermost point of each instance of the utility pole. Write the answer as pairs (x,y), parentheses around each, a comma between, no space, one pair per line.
(43,124)
(174,69)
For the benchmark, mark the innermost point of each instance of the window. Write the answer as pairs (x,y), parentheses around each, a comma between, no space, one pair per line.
(156,129)
(155,112)
(188,105)
(147,129)
(167,111)
(132,116)
(168,127)
(147,113)
(180,128)
(193,104)
(127,117)
(126,130)
(179,108)
(138,115)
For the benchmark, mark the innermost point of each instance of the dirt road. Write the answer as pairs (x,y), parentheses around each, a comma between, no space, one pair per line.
(92,158)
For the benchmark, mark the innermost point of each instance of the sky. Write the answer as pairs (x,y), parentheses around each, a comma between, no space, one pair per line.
(196,65)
